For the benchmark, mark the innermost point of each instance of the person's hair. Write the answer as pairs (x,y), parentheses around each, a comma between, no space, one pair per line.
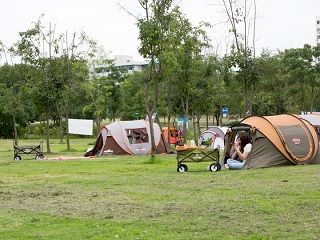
(244,140)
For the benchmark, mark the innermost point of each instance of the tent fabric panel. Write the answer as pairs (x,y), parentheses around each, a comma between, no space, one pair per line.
(97,147)
(133,124)
(161,147)
(156,132)
(120,136)
(283,120)
(265,154)
(298,142)
(220,131)
(112,145)
(315,135)
(216,130)
(312,118)
(316,159)
(268,130)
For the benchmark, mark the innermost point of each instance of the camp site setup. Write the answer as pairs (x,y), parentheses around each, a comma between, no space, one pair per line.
(277,140)
(128,138)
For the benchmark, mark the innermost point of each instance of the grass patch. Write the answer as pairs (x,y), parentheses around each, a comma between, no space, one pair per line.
(134,197)
(152,160)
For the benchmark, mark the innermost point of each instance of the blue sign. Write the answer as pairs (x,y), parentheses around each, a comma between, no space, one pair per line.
(180,121)
(225,110)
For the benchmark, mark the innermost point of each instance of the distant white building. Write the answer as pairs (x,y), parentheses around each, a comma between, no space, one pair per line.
(318,30)
(120,61)
(127,62)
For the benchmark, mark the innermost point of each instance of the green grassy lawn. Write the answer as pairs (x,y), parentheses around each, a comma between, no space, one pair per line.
(127,197)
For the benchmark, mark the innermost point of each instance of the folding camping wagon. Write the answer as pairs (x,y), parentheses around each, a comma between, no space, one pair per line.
(197,154)
(29,149)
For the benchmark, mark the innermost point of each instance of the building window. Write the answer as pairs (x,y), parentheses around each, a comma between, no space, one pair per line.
(318,22)
(318,37)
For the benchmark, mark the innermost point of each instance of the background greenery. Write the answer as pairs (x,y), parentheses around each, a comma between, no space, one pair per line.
(129,197)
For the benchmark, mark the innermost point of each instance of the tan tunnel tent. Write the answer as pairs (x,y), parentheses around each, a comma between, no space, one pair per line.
(128,137)
(277,141)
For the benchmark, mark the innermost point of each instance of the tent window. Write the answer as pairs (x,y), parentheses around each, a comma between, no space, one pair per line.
(138,135)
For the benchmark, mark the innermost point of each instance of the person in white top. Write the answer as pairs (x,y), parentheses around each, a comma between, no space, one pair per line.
(242,149)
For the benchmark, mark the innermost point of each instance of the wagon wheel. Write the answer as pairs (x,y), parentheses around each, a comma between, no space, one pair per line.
(214,167)
(182,168)
(39,157)
(17,158)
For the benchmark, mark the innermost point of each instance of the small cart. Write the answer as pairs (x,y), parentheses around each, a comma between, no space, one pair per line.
(196,154)
(30,149)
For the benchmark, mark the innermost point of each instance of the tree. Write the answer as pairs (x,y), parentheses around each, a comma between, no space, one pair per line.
(188,56)
(11,92)
(302,68)
(241,17)
(132,97)
(38,48)
(153,28)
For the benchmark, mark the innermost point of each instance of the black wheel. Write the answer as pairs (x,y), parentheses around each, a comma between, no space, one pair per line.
(17,158)
(219,166)
(39,157)
(215,167)
(182,168)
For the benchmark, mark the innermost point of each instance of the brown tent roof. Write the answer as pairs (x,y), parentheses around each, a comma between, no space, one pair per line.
(295,138)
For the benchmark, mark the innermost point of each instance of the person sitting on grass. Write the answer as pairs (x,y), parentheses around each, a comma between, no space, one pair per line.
(242,148)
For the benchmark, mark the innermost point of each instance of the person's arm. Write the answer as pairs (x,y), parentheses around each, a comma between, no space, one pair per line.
(234,154)
(243,156)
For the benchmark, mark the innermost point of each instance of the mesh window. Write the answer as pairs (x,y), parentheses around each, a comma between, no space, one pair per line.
(296,140)
(138,135)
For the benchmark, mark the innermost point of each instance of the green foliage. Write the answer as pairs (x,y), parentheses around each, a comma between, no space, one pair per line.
(132,97)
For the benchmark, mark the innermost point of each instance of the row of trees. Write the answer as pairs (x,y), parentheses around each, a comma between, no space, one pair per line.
(48,77)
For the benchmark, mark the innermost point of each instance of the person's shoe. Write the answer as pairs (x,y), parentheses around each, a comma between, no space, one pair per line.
(226,166)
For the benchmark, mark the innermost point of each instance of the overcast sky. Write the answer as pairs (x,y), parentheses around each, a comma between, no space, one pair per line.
(280,23)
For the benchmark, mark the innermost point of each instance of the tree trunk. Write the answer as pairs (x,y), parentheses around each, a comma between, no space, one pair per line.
(98,125)
(194,128)
(153,145)
(168,125)
(185,119)
(207,121)
(61,129)
(15,132)
(198,125)
(48,132)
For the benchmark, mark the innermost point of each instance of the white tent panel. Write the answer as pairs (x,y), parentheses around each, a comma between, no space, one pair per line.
(80,126)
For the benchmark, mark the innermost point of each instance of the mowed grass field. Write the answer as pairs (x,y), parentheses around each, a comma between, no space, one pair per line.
(130,197)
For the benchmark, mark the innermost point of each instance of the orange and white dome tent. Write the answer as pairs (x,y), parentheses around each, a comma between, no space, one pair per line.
(278,140)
